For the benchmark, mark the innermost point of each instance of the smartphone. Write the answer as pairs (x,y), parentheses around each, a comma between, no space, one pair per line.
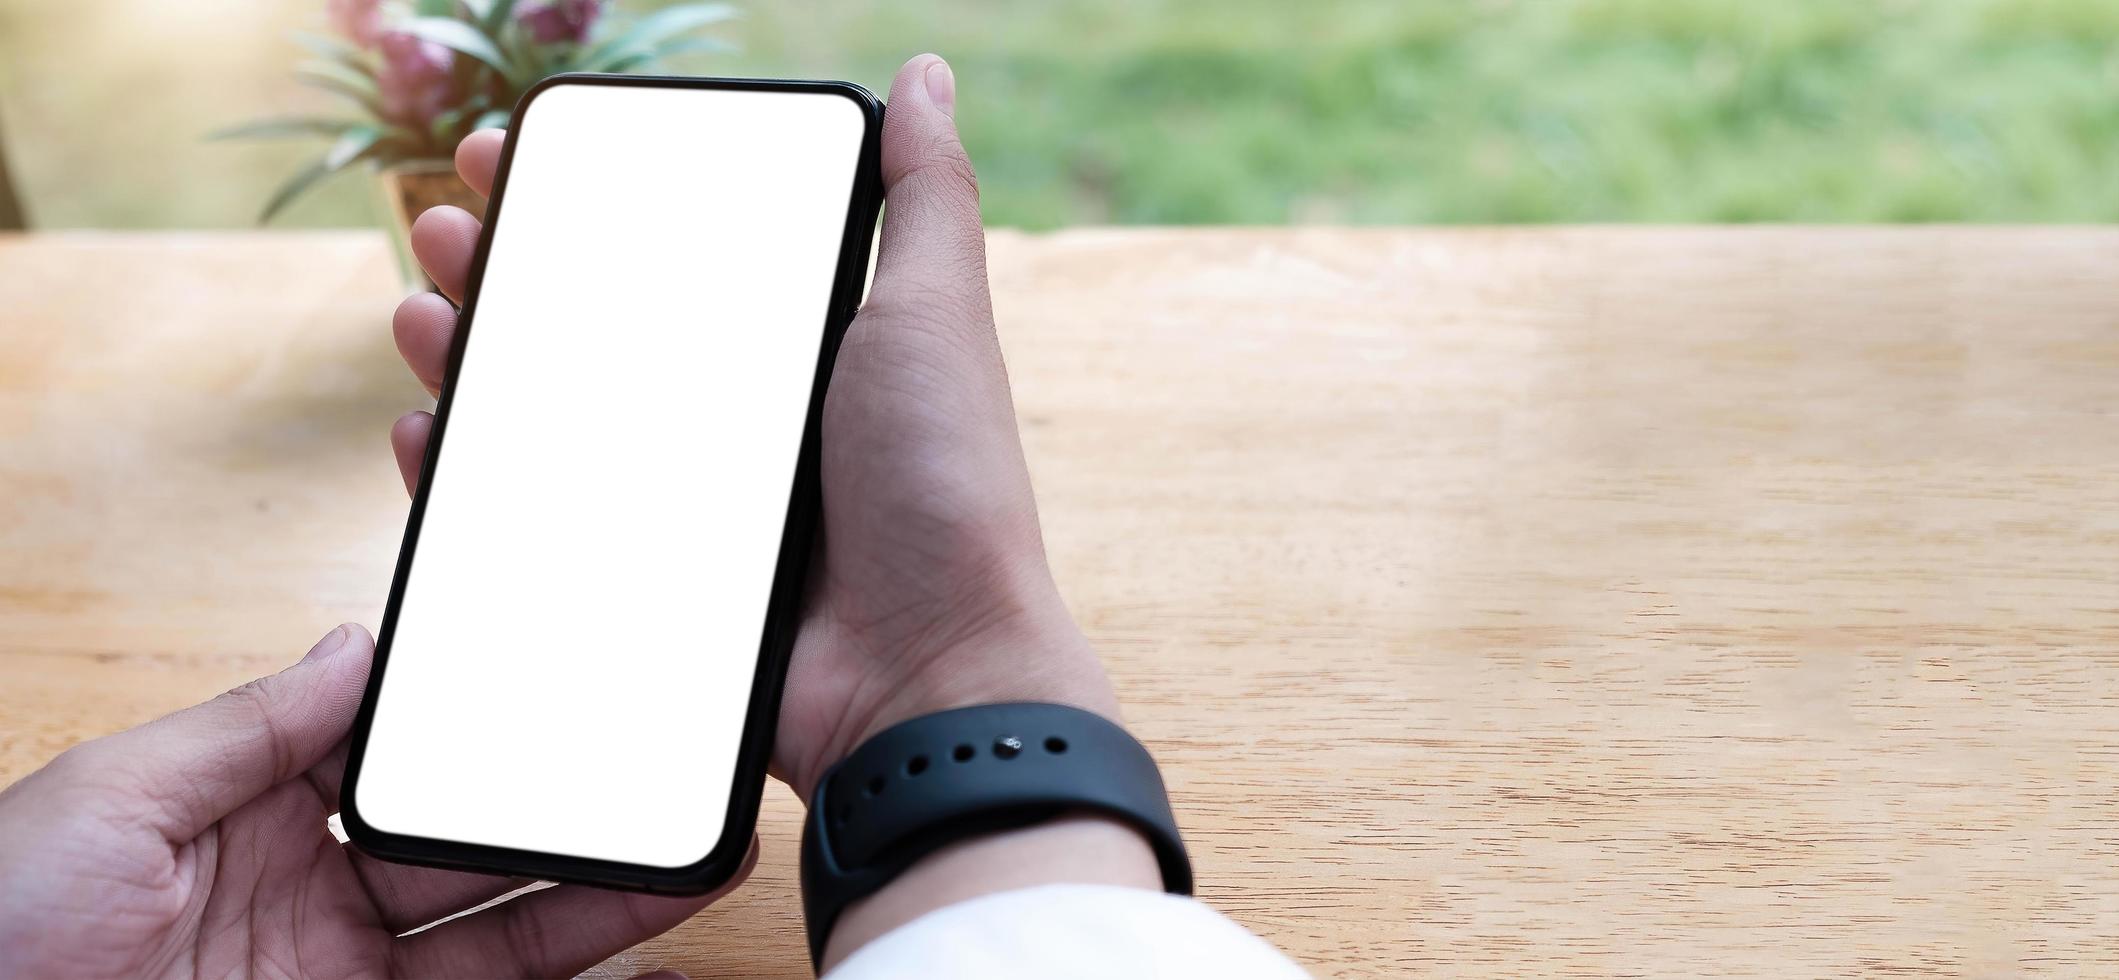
(579,667)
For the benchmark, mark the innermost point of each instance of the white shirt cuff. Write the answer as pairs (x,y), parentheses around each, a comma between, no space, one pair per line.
(1069,931)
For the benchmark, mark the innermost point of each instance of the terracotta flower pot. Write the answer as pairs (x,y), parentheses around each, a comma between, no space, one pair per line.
(412,187)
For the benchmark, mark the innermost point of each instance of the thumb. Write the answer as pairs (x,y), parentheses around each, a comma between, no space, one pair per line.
(933,245)
(196,766)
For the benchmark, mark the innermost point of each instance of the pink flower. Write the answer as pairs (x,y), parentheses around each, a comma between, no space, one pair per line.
(417,78)
(560,20)
(360,20)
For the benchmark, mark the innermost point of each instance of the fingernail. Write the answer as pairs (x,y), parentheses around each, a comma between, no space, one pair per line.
(328,646)
(941,87)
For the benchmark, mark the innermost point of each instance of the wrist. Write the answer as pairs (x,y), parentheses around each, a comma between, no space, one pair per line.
(1020,645)
(1036,655)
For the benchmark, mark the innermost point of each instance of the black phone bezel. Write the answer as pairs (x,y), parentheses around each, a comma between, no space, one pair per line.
(783,612)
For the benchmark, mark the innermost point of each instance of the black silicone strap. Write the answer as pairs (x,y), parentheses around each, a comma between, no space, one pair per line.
(945,777)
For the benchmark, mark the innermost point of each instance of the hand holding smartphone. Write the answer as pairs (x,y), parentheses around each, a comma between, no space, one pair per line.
(580,665)
(930,588)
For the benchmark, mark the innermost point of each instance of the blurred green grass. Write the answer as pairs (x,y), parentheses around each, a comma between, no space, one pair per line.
(1244,111)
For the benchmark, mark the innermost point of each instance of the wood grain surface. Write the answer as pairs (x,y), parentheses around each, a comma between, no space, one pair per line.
(1540,602)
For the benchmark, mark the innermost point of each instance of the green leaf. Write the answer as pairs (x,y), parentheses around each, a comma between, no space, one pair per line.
(457,35)
(438,130)
(690,45)
(648,32)
(449,120)
(358,81)
(492,18)
(302,180)
(334,77)
(684,45)
(336,49)
(399,143)
(497,17)
(434,8)
(355,144)
(529,56)
(495,119)
(284,126)
(351,146)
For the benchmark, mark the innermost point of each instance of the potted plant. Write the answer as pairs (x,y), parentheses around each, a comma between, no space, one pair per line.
(420,75)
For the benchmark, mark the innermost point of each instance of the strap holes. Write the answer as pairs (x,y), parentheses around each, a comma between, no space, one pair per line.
(916,765)
(875,785)
(963,753)
(1055,744)
(1007,747)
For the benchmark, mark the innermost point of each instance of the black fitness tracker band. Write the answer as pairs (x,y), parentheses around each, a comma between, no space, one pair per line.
(937,779)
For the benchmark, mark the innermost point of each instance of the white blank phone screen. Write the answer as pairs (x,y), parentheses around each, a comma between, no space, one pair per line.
(573,657)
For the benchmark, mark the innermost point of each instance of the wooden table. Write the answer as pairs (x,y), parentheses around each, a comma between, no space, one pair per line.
(1536,602)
